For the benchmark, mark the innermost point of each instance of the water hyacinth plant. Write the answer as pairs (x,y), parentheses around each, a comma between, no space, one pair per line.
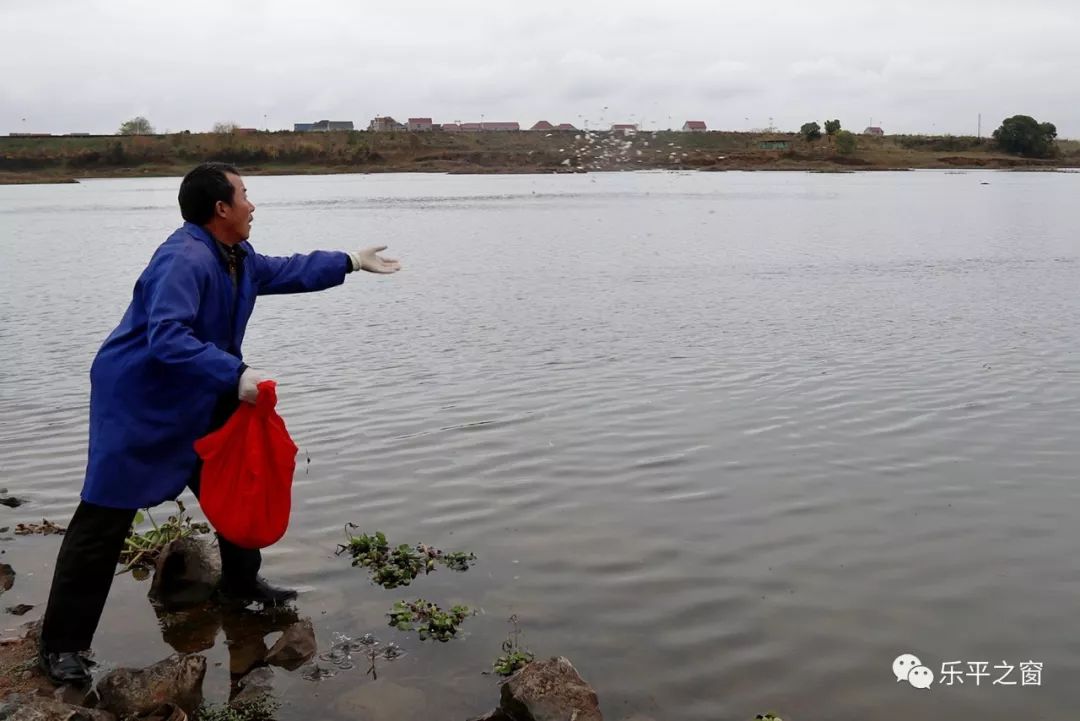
(393,567)
(427,619)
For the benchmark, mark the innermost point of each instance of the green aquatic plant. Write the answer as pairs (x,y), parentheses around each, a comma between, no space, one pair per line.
(428,619)
(395,567)
(458,561)
(514,656)
(141,549)
(389,568)
(259,709)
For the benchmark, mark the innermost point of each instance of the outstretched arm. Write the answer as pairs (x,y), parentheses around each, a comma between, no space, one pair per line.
(299,273)
(316,271)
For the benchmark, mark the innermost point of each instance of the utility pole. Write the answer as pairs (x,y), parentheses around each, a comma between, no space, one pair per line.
(980,126)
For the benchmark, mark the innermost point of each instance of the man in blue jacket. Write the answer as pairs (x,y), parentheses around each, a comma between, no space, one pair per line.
(171,372)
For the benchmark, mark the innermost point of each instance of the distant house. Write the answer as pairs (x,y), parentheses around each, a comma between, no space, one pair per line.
(245,131)
(322,126)
(694,126)
(542,125)
(470,127)
(451,127)
(873,130)
(565,126)
(624,128)
(326,126)
(774,144)
(384,124)
(418,124)
(499,127)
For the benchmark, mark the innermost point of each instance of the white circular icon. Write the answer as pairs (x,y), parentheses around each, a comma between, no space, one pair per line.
(921,677)
(903,664)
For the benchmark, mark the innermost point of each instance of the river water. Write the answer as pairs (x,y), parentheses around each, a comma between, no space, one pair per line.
(731,442)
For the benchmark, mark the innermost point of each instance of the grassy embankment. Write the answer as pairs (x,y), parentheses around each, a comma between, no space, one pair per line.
(62,159)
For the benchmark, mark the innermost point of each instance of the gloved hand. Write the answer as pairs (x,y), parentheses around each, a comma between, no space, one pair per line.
(369,260)
(249,385)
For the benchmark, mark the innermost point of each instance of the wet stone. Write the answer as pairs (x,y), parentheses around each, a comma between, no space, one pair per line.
(7,577)
(295,647)
(177,679)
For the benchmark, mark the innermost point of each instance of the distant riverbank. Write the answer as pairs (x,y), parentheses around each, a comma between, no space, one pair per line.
(65,159)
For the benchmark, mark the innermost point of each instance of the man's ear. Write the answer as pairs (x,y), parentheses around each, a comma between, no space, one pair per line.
(221,209)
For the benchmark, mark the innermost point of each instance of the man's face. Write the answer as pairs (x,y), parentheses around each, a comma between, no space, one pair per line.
(237,216)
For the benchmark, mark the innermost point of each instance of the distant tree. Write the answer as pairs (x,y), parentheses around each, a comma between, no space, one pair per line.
(1023,135)
(832,127)
(225,127)
(810,131)
(846,142)
(136,126)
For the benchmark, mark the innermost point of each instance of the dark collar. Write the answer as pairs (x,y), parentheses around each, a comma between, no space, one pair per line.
(234,250)
(224,251)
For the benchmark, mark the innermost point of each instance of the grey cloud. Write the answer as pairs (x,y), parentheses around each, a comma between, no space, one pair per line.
(915,66)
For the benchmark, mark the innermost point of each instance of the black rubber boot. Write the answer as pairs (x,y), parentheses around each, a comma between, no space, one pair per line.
(260,591)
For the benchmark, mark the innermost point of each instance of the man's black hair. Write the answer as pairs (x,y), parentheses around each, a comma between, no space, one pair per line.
(202,188)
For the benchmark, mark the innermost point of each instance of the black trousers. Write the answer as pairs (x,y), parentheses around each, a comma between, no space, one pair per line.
(87,563)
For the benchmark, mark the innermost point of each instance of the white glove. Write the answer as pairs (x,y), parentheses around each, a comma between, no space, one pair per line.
(369,260)
(249,385)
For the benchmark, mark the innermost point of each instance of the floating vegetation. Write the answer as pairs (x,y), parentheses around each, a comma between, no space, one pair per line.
(514,655)
(457,561)
(45,528)
(389,568)
(141,549)
(260,709)
(395,567)
(427,619)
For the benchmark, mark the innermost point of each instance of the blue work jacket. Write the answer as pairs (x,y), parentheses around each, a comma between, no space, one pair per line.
(156,380)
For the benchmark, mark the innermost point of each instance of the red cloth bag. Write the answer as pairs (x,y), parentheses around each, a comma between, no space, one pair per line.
(245,488)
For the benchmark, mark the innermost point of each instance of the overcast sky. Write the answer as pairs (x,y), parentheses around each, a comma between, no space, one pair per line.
(907,65)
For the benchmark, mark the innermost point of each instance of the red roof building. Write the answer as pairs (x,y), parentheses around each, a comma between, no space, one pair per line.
(694,126)
(565,126)
(416,124)
(542,125)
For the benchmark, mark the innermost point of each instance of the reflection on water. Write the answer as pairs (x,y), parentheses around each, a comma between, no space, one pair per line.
(196,629)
